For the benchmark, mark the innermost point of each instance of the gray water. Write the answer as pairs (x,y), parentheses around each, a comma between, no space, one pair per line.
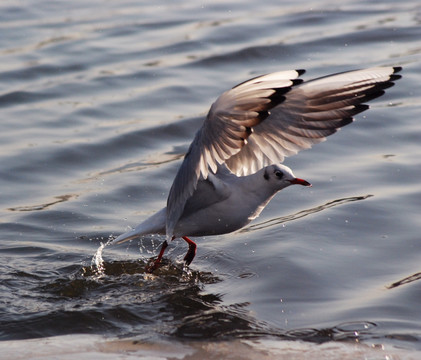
(99,102)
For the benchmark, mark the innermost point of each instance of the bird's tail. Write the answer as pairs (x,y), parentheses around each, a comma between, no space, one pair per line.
(129,235)
(153,225)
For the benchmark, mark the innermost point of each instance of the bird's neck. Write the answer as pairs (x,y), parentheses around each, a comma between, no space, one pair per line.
(256,186)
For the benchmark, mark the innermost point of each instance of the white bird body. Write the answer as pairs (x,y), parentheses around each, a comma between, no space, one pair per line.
(228,175)
(221,193)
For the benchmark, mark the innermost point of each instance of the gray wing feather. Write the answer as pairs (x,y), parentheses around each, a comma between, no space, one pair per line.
(208,192)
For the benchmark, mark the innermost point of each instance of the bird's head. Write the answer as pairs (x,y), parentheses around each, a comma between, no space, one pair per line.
(282,176)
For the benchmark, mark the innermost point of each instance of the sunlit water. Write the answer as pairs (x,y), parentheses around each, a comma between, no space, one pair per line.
(99,102)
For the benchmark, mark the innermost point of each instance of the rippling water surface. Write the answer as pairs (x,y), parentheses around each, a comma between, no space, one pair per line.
(99,102)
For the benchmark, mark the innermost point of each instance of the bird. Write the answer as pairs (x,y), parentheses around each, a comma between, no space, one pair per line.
(233,167)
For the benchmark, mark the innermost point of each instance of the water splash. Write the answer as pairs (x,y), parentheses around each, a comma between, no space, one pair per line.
(97,262)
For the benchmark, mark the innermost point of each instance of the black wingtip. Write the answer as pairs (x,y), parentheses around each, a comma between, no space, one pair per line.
(362,107)
(346,121)
(387,85)
(395,77)
(278,96)
(262,115)
(297,81)
(374,95)
(300,71)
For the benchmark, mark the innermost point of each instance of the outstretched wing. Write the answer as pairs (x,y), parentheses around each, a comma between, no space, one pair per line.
(311,111)
(264,119)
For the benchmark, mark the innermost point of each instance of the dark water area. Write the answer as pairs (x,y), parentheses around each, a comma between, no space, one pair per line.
(100,100)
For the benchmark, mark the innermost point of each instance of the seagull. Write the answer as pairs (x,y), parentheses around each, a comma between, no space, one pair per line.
(233,168)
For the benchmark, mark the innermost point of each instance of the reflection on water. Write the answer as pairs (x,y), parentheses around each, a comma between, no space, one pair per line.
(303,213)
(60,199)
(137,166)
(407,280)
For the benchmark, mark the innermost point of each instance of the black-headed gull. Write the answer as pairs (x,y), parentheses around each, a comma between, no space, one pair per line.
(231,170)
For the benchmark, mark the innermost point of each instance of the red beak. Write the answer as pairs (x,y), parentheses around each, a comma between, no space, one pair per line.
(298,181)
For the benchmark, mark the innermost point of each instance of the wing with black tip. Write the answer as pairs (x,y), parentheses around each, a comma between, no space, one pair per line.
(262,120)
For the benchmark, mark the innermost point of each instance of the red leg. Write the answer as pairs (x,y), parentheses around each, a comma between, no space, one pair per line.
(155,265)
(191,253)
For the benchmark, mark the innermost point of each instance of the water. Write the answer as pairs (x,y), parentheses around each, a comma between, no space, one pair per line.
(100,100)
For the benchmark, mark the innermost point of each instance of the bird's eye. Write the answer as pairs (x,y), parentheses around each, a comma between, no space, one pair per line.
(279,174)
